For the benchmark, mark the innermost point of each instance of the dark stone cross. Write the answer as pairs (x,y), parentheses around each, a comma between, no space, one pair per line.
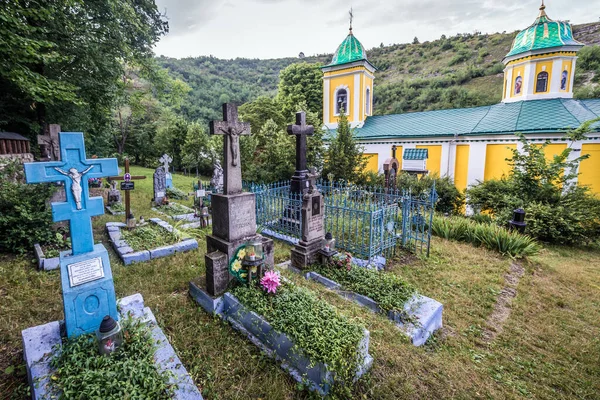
(301,130)
(122,178)
(232,129)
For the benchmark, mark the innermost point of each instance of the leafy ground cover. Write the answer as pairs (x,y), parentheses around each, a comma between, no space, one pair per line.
(174,209)
(548,348)
(318,329)
(82,373)
(390,291)
(149,236)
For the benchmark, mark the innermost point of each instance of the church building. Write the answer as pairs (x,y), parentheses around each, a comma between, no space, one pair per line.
(472,144)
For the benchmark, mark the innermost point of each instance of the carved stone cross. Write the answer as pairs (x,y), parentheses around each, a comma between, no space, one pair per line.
(232,129)
(165,160)
(301,130)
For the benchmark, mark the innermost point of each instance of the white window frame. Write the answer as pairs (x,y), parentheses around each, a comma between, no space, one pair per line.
(368,101)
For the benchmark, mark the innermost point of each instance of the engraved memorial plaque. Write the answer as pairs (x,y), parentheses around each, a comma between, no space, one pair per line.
(160,194)
(85,271)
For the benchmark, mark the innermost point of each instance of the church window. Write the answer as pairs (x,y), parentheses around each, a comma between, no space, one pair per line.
(341,101)
(541,85)
(368,102)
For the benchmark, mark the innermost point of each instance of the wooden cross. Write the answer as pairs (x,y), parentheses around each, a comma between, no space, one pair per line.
(301,130)
(232,129)
(126,177)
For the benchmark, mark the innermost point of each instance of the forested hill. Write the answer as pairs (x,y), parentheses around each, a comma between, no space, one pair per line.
(460,71)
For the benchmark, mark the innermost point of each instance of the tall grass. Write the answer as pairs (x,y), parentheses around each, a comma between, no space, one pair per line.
(490,236)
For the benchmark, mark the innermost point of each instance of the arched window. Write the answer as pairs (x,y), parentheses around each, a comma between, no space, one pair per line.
(368,102)
(341,101)
(541,85)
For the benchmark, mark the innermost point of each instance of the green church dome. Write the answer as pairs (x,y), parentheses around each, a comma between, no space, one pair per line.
(544,33)
(349,51)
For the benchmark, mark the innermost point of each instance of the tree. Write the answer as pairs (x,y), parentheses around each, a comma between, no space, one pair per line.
(344,156)
(259,111)
(415,40)
(65,57)
(302,82)
(196,151)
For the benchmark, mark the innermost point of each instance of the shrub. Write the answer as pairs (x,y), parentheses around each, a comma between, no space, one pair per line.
(25,218)
(450,199)
(176,194)
(492,237)
(556,210)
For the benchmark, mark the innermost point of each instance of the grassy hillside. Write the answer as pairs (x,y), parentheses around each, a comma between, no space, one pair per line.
(460,71)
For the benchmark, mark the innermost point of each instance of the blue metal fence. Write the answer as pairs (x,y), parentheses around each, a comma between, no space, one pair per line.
(366,221)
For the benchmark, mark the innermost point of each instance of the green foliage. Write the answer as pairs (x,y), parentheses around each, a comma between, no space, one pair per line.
(557,211)
(344,155)
(301,83)
(61,242)
(312,324)
(149,236)
(176,194)
(129,372)
(62,60)
(174,209)
(492,237)
(450,199)
(25,218)
(390,291)
(198,149)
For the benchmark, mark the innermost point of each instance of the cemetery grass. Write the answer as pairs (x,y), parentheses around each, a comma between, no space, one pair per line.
(548,347)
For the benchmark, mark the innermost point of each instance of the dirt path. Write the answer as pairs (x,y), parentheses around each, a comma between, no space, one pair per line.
(501,312)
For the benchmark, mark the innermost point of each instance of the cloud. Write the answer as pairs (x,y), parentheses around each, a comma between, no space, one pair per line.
(187,16)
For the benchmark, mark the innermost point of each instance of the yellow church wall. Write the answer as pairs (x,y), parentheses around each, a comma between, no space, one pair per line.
(372,162)
(589,170)
(435,158)
(543,66)
(567,66)
(553,149)
(461,166)
(334,83)
(495,160)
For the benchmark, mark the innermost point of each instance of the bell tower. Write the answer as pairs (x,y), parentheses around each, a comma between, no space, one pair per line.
(541,62)
(348,84)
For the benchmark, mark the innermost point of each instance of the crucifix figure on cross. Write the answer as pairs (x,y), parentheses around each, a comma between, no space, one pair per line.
(79,207)
(232,129)
(301,130)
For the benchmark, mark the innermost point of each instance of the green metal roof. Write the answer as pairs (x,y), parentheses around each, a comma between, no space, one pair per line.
(349,51)
(544,33)
(548,116)
(415,154)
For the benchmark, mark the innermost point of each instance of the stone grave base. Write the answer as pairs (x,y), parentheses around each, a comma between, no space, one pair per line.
(42,342)
(46,264)
(305,254)
(275,344)
(128,256)
(426,312)
(112,212)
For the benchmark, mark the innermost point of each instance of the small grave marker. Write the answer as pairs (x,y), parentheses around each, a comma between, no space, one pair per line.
(126,186)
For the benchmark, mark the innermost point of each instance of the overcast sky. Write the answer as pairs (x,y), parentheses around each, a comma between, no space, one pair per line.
(284,28)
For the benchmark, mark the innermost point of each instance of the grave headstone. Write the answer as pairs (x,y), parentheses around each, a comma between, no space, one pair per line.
(87,285)
(305,252)
(234,216)
(390,171)
(165,160)
(160,185)
(217,179)
(114,195)
(49,143)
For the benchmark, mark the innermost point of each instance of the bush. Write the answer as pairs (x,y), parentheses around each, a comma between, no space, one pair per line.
(25,218)
(176,194)
(492,237)
(556,211)
(450,199)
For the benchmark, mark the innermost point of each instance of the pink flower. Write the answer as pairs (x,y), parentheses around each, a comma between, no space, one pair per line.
(270,282)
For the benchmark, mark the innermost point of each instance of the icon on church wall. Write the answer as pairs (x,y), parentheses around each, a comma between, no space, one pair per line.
(563,80)
(518,85)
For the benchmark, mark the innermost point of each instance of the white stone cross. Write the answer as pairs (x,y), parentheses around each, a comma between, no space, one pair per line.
(165,160)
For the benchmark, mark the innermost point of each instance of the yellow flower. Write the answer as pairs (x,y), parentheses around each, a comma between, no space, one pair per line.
(237,265)
(242,254)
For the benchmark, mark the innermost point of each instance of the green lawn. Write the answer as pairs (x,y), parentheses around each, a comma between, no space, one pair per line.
(549,347)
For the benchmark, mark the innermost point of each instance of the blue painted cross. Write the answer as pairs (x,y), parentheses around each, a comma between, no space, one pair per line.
(74,170)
